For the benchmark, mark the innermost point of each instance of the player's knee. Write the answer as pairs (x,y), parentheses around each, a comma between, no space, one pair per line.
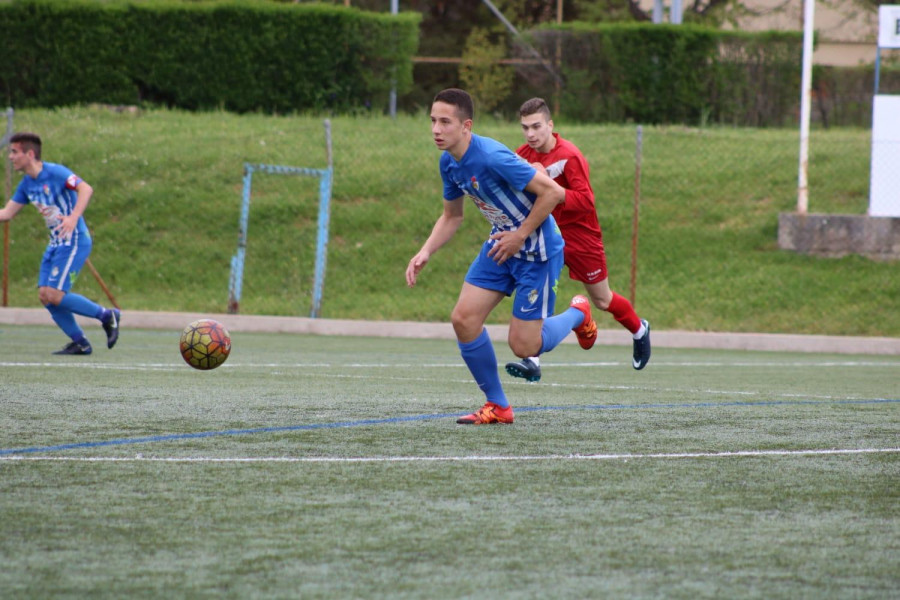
(50,296)
(466,325)
(524,346)
(601,300)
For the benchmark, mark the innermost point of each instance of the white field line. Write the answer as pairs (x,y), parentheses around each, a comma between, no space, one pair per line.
(414,459)
(175,365)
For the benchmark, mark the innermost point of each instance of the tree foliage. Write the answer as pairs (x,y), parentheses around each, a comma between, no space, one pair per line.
(481,74)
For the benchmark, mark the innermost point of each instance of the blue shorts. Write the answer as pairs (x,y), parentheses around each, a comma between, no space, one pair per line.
(61,265)
(534,282)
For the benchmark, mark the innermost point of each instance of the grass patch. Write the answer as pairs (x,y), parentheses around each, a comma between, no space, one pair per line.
(116,515)
(168,187)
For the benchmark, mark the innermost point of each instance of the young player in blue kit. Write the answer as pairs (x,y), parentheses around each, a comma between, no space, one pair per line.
(523,254)
(61,197)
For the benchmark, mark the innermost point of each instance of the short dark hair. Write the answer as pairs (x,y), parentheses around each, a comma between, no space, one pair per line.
(28,141)
(533,106)
(461,99)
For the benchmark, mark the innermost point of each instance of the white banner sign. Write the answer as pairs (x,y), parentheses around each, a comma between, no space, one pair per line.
(884,186)
(889,26)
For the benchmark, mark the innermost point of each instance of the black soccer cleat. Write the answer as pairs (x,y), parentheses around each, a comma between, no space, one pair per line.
(111,327)
(526,369)
(76,348)
(641,355)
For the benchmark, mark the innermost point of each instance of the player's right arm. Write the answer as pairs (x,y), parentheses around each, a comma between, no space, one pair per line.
(68,223)
(9,211)
(444,229)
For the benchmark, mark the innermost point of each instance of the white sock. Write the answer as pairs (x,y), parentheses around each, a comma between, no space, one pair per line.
(640,332)
(535,360)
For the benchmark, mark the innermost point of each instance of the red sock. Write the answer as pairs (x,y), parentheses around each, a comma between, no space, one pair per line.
(623,312)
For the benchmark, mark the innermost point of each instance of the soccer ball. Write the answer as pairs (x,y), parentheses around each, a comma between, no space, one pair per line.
(205,344)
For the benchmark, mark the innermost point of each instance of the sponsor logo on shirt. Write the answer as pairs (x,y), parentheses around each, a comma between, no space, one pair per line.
(494,215)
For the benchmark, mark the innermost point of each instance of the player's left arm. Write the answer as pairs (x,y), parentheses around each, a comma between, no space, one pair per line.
(579,195)
(548,194)
(68,223)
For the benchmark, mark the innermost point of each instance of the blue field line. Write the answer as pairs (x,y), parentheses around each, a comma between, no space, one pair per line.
(363,422)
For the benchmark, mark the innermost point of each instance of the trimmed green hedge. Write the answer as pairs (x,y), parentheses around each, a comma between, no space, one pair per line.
(675,73)
(238,55)
(842,96)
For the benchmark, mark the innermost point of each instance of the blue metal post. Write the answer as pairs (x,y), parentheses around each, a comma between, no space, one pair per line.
(237,262)
(325,182)
(322,241)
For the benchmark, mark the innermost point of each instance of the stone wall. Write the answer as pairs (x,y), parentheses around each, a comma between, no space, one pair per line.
(877,238)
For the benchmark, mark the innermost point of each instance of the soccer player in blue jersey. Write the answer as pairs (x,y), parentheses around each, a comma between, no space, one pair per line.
(61,197)
(523,254)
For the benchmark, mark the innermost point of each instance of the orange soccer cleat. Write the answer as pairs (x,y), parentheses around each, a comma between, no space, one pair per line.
(587,331)
(488,414)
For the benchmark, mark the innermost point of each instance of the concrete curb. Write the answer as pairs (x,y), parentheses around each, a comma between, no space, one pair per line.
(773,342)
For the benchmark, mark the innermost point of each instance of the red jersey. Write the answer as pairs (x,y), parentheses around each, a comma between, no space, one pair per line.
(567,166)
(577,216)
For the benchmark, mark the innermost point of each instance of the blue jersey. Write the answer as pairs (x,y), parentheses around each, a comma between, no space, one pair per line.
(494,178)
(53,193)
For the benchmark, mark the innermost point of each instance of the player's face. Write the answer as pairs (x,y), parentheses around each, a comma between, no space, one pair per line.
(449,132)
(538,131)
(20,159)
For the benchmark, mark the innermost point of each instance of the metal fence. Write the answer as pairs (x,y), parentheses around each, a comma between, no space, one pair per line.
(710,176)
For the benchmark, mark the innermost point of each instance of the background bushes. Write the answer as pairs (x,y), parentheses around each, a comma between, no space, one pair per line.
(240,56)
(675,74)
(278,57)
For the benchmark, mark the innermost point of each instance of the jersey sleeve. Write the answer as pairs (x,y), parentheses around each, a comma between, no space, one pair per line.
(451,190)
(512,168)
(579,195)
(19,195)
(72,181)
(62,176)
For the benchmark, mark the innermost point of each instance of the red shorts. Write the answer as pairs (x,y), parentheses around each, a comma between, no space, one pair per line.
(584,256)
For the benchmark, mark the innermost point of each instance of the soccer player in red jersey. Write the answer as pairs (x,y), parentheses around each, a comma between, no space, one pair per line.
(577,219)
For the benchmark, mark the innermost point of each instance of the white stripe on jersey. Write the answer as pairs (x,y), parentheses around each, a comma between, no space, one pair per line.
(546,309)
(536,237)
(73,250)
(557,168)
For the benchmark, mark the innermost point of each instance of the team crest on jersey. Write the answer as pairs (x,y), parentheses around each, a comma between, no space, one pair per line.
(46,190)
(55,272)
(475,183)
(532,296)
(72,181)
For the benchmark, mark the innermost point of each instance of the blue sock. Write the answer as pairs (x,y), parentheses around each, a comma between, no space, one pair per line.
(482,362)
(555,329)
(81,306)
(66,321)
